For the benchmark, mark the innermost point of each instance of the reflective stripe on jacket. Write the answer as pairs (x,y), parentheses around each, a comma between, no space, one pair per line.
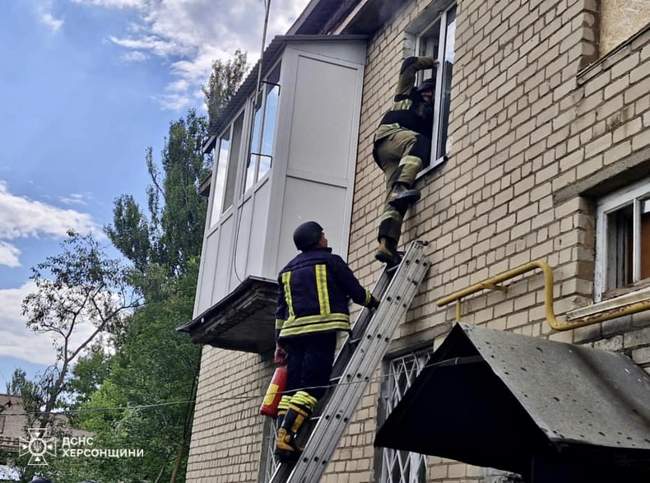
(315,292)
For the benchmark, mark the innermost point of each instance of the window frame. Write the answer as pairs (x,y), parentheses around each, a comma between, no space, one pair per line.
(632,194)
(214,223)
(421,358)
(251,106)
(436,159)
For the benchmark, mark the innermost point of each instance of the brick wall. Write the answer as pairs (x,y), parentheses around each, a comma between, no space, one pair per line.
(227,430)
(532,131)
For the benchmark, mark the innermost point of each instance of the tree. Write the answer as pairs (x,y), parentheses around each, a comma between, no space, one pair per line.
(173,231)
(80,295)
(224,80)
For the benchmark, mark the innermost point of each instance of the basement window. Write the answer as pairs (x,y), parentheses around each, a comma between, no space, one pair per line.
(623,240)
(438,40)
(399,466)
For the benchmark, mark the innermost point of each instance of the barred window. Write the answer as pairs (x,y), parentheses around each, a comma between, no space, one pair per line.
(269,462)
(399,466)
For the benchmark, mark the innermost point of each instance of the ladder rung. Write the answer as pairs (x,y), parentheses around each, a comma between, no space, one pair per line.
(358,358)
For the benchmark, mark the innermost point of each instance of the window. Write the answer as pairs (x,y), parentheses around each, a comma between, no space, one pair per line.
(623,238)
(265,107)
(238,128)
(438,40)
(269,462)
(227,151)
(401,466)
(219,176)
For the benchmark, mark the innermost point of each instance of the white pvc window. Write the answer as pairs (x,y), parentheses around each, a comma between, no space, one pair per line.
(623,238)
(222,153)
(224,176)
(437,40)
(265,111)
(402,466)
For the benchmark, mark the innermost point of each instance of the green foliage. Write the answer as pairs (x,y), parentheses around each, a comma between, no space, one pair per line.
(88,374)
(130,232)
(222,85)
(138,393)
(173,231)
(80,296)
(154,364)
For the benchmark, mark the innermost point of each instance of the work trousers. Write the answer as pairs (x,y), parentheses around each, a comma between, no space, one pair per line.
(309,362)
(400,156)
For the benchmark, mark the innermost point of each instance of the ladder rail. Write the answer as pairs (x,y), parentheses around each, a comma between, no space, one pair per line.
(364,362)
(354,365)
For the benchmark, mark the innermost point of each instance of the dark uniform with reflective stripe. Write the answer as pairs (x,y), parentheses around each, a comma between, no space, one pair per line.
(316,288)
(402,141)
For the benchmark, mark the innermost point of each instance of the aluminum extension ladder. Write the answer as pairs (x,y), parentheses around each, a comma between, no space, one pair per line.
(355,364)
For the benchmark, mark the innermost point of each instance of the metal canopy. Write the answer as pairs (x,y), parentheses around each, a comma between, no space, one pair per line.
(244,320)
(498,399)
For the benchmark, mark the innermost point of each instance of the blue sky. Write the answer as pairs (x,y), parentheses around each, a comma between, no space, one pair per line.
(85,87)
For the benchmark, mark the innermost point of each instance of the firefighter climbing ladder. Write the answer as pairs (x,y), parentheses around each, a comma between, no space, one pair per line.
(355,363)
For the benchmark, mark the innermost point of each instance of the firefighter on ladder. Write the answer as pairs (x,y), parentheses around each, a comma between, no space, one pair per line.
(402,146)
(316,287)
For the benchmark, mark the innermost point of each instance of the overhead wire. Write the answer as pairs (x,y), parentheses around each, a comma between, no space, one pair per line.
(256,396)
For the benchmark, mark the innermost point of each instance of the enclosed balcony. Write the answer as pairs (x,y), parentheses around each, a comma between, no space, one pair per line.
(284,154)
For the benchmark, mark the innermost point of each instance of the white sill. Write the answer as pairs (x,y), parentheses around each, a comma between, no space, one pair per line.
(431,167)
(610,304)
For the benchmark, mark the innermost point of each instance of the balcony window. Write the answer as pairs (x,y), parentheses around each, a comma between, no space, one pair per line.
(265,108)
(219,176)
(231,179)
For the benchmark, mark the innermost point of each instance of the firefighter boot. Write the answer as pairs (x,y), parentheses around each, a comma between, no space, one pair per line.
(401,196)
(387,252)
(286,449)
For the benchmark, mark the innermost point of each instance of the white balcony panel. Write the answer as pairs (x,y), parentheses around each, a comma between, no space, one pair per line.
(223,260)
(259,230)
(308,200)
(204,289)
(323,114)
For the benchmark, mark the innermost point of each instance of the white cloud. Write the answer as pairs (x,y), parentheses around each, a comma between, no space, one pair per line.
(16,340)
(134,56)
(9,255)
(46,16)
(190,34)
(114,3)
(50,21)
(73,199)
(21,217)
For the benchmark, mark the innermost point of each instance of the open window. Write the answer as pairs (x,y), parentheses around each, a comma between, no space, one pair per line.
(265,109)
(623,240)
(437,40)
